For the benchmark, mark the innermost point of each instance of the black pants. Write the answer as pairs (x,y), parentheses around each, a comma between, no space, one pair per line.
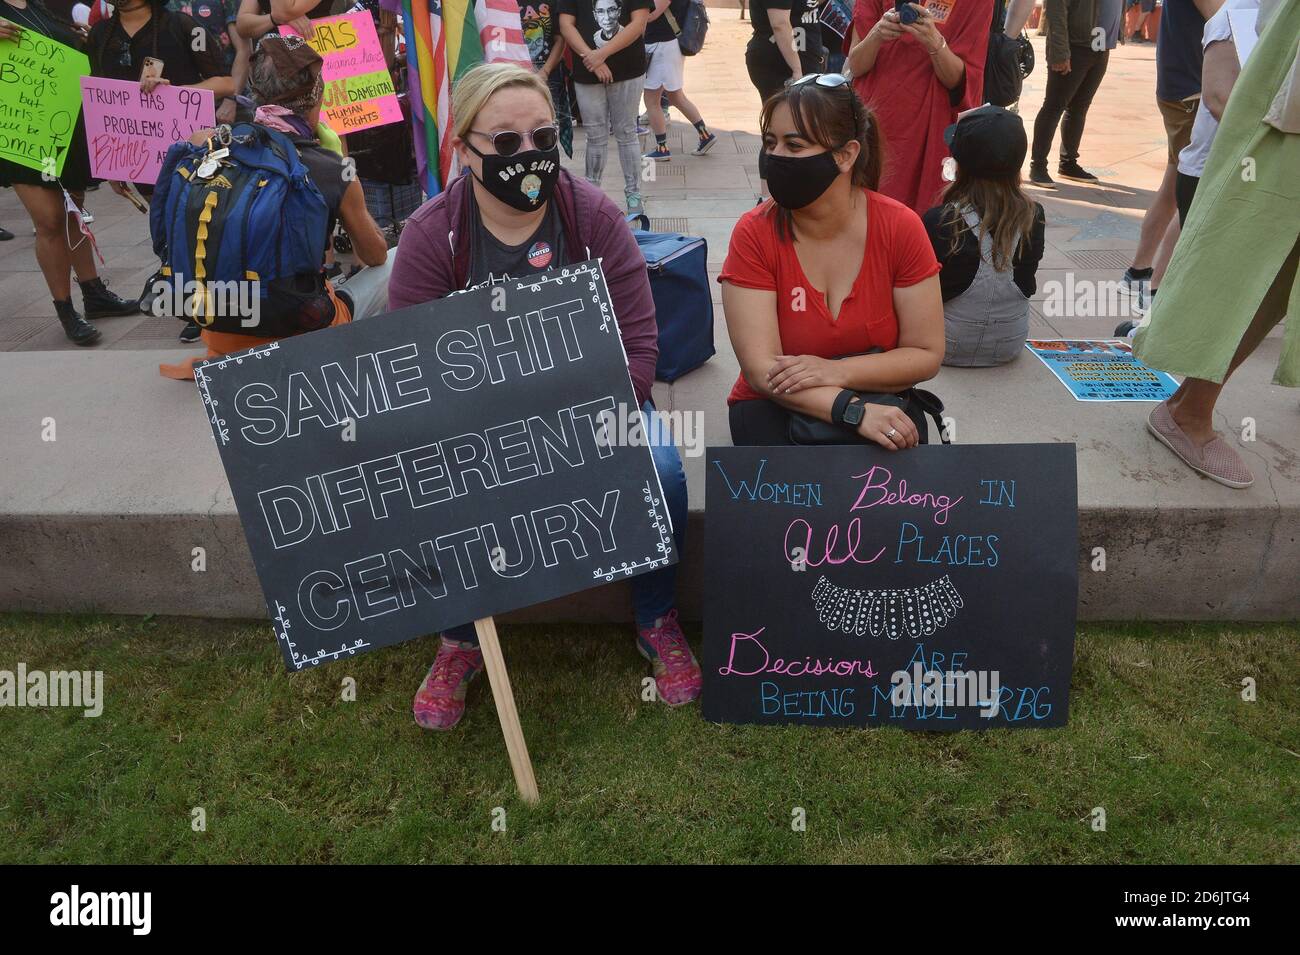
(768,70)
(1066,101)
(1184,191)
(759,423)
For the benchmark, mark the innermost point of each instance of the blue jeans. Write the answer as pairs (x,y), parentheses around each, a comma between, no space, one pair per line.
(655,593)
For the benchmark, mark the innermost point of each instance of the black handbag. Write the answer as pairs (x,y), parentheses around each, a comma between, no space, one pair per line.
(916,403)
(1005,66)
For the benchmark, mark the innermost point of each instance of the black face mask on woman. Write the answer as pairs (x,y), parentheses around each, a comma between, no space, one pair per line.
(796,181)
(522,180)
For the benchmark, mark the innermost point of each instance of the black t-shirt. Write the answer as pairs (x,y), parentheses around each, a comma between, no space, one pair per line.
(660,30)
(39,19)
(803,13)
(492,261)
(1179,52)
(115,56)
(598,21)
(537,20)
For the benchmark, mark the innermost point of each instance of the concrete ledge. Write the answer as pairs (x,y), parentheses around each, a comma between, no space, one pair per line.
(105,517)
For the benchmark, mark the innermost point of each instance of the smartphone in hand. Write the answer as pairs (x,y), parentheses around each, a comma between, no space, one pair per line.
(152,69)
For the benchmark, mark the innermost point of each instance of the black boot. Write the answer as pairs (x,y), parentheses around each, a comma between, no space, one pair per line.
(78,330)
(101,303)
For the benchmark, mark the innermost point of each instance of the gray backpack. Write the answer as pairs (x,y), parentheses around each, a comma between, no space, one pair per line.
(693,28)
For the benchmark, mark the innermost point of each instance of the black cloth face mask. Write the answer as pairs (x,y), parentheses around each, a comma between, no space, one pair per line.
(797,181)
(523,180)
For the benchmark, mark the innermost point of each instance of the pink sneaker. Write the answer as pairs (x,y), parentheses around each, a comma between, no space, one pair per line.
(1216,461)
(677,675)
(440,702)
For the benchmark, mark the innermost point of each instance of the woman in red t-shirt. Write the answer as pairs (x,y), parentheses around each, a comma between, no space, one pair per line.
(828,267)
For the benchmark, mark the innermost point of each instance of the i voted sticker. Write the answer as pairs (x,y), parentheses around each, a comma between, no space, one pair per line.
(539,255)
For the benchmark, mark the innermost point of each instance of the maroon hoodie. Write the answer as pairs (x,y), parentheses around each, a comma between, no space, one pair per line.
(433,260)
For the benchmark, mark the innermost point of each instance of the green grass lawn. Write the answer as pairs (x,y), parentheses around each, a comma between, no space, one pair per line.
(202,713)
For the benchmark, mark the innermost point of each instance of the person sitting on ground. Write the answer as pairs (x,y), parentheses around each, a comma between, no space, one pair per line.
(988,236)
(285,84)
(505,219)
(799,320)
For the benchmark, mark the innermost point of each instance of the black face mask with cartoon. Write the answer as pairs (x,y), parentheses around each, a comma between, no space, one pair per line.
(523,180)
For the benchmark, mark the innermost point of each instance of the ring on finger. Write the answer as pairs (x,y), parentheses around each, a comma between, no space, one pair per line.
(891,432)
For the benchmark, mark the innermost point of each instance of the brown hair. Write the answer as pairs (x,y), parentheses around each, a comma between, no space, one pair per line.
(1004,211)
(830,116)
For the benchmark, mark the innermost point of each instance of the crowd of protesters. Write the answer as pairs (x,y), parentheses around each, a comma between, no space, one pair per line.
(894,166)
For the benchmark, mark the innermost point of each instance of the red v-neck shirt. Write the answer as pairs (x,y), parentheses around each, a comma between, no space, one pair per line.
(897,254)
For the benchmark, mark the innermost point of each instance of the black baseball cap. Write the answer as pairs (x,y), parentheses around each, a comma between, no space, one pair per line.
(989,141)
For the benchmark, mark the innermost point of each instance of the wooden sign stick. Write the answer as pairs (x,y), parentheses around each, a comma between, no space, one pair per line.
(495,664)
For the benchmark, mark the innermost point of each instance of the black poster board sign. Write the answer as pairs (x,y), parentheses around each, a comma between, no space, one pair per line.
(834,571)
(436,465)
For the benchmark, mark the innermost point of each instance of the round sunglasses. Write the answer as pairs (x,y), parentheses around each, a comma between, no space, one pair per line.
(508,142)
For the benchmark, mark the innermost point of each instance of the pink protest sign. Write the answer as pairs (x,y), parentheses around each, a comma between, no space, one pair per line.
(358,87)
(129,131)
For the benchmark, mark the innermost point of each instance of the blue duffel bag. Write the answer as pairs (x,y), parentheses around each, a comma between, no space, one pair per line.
(679,282)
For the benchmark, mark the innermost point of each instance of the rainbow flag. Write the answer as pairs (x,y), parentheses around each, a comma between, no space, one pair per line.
(444,38)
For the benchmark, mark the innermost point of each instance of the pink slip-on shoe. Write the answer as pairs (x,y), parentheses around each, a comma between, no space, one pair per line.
(1216,461)
(440,702)
(677,674)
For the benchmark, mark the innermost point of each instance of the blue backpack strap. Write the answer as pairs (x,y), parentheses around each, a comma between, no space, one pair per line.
(284,149)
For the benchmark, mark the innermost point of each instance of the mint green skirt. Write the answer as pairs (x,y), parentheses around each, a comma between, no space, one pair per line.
(1240,231)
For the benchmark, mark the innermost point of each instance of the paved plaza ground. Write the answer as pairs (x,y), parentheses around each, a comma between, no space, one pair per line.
(1091,229)
(64,506)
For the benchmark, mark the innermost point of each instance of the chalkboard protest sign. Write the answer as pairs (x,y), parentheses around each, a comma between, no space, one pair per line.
(930,589)
(437,465)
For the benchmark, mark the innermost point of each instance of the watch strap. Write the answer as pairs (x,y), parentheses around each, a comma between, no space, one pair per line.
(841,402)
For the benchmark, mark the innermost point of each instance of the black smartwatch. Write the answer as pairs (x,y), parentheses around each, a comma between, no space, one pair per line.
(847,409)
